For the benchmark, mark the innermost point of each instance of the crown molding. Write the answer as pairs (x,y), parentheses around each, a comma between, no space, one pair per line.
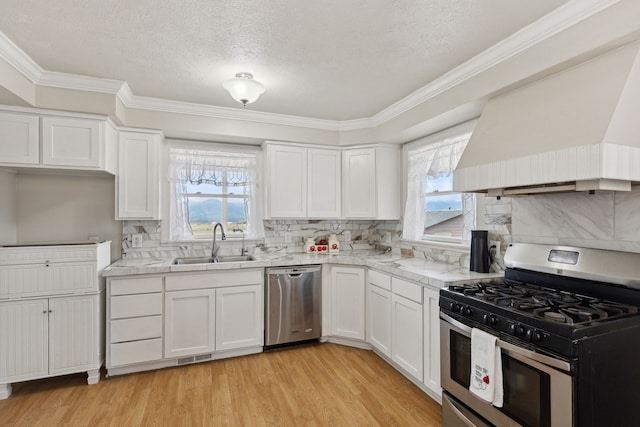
(566,16)
(79,82)
(212,111)
(19,60)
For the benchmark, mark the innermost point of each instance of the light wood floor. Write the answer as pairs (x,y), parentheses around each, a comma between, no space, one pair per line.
(317,385)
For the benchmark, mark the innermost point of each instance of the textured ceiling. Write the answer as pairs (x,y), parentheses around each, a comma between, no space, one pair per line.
(331,59)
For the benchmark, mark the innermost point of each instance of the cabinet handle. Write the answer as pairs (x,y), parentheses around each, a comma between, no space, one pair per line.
(44,312)
(50,311)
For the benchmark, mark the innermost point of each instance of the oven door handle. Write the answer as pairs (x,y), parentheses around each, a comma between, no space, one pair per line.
(538,357)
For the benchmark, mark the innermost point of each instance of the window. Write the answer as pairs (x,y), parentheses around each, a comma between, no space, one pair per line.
(211,186)
(433,211)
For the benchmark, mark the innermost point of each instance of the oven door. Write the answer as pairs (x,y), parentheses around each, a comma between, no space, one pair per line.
(537,388)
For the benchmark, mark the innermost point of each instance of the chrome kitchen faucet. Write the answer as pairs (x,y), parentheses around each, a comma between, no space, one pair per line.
(214,249)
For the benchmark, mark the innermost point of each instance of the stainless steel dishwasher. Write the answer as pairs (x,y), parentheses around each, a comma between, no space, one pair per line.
(293,304)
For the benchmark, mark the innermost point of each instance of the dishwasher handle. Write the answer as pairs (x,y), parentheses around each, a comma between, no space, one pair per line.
(295,271)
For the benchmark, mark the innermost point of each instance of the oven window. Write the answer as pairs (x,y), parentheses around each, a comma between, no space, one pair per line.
(460,359)
(527,393)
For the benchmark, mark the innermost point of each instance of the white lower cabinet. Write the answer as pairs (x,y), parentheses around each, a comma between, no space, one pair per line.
(379,318)
(189,322)
(406,335)
(49,336)
(348,302)
(431,317)
(51,312)
(157,321)
(134,320)
(239,317)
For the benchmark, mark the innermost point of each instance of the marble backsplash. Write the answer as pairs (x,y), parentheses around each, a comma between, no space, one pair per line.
(604,220)
(365,234)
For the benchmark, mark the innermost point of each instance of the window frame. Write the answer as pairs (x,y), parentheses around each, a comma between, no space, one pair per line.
(432,239)
(168,190)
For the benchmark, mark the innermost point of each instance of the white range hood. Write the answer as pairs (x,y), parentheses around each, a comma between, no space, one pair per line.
(576,130)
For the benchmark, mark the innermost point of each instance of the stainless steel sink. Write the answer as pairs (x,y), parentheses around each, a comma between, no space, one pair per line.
(210,260)
(235,258)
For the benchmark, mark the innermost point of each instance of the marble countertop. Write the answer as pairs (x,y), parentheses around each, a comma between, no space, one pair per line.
(419,270)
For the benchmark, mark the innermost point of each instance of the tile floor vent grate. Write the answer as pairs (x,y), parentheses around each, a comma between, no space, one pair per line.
(203,357)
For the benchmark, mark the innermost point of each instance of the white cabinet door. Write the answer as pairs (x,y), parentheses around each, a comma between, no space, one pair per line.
(138,179)
(286,181)
(348,302)
(239,317)
(406,341)
(359,183)
(24,345)
(72,142)
(19,139)
(432,340)
(379,318)
(324,173)
(74,334)
(189,322)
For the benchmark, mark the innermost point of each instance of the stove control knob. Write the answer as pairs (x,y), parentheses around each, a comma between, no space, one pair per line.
(516,329)
(489,319)
(533,335)
(465,311)
(453,306)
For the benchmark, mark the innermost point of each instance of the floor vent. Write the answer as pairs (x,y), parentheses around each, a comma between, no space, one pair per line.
(192,359)
(186,360)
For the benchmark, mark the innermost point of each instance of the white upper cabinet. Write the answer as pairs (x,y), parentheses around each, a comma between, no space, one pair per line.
(324,183)
(72,142)
(19,139)
(286,181)
(57,142)
(138,178)
(371,182)
(302,182)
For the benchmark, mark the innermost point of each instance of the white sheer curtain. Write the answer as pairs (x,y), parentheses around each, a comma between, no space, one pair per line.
(213,167)
(433,156)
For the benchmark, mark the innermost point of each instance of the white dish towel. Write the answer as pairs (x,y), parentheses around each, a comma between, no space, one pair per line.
(486,368)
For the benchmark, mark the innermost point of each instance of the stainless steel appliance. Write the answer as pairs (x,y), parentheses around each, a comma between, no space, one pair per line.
(293,304)
(568,324)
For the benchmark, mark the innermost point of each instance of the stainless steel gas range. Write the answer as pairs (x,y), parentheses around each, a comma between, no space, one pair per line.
(567,321)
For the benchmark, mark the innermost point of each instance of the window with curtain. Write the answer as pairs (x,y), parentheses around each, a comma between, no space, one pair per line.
(211,186)
(433,211)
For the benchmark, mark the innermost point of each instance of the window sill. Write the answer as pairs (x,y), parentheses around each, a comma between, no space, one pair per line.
(462,247)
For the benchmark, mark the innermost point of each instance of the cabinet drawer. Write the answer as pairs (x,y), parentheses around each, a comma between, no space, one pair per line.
(142,285)
(407,289)
(136,305)
(179,282)
(139,328)
(135,352)
(47,279)
(381,280)
(47,254)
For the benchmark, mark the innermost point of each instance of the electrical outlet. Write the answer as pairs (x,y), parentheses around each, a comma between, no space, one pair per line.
(347,236)
(387,237)
(136,240)
(496,243)
(287,237)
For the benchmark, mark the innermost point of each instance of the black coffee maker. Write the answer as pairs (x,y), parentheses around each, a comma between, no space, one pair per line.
(479,251)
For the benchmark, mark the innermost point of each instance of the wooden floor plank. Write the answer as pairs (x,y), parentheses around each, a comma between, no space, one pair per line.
(316,386)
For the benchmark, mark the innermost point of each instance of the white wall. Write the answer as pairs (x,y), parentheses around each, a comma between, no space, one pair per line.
(66,208)
(8,233)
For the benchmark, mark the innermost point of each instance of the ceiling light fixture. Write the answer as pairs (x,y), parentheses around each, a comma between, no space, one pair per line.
(244,89)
